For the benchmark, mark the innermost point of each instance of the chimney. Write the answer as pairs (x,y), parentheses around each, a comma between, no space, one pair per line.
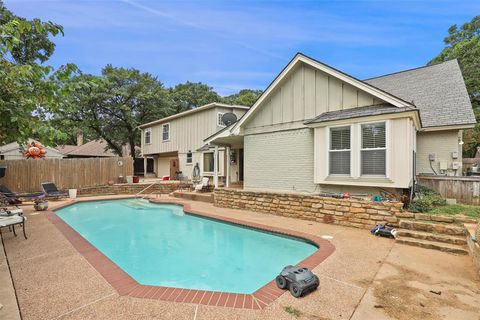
(79,139)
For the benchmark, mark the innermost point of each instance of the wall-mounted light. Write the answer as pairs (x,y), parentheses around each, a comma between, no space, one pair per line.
(460,140)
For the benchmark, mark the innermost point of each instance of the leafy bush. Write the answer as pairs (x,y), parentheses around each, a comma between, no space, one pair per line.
(426,199)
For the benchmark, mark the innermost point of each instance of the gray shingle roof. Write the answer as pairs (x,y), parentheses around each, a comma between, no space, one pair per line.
(438,91)
(358,113)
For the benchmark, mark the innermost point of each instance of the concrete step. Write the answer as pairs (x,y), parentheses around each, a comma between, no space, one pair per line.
(445,247)
(433,227)
(445,238)
(195,196)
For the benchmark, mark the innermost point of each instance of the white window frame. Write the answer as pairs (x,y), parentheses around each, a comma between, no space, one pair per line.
(386,148)
(219,119)
(149,131)
(163,126)
(329,137)
(187,158)
(203,162)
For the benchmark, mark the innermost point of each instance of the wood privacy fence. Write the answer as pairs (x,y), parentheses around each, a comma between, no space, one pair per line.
(27,175)
(464,189)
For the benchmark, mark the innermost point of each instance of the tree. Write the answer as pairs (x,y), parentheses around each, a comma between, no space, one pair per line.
(29,91)
(114,104)
(192,95)
(464,44)
(245,97)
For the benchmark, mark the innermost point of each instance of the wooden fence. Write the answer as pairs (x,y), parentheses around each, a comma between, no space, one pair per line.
(464,189)
(27,175)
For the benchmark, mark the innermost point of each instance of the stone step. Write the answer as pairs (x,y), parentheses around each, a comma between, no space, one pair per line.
(445,238)
(445,247)
(433,227)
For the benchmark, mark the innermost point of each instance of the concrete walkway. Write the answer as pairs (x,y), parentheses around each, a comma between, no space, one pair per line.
(365,278)
(8,302)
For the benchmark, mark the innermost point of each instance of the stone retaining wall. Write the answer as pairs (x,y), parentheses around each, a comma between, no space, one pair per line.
(162,187)
(347,212)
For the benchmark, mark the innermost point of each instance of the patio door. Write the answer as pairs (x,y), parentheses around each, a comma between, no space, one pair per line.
(240,164)
(173,168)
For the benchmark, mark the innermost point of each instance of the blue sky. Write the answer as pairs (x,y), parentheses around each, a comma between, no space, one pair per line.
(232,45)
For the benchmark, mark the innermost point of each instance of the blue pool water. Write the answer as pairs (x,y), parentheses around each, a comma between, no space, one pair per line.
(161,245)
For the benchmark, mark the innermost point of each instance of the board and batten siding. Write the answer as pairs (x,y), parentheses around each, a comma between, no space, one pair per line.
(187,132)
(441,144)
(279,161)
(305,94)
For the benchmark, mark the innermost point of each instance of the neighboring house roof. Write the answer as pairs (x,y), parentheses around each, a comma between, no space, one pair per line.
(438,91)
(15,146)
(368,111)
(192,111)
(94,148)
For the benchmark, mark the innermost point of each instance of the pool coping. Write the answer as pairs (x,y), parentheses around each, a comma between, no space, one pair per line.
(125,285)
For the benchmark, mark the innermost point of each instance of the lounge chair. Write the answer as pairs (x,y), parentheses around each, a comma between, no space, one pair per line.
(12,217)
(16,198)
(50,190)
(203,185)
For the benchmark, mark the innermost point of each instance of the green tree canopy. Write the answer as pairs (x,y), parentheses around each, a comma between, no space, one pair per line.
(29,91)
(464,44)
(245,97)
(191,95)
(111,106)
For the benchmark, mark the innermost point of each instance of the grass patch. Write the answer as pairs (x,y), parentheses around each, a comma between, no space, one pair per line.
(457,209)
(293,311)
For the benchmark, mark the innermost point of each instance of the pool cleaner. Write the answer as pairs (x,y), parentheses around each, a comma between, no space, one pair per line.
(384,231)
(298,280)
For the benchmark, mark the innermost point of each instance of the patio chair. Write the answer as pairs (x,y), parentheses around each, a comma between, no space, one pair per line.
(50,191)
(203,185)
(12,221)
(15,198)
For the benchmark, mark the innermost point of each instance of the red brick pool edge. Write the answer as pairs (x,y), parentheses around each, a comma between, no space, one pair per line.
(127,286)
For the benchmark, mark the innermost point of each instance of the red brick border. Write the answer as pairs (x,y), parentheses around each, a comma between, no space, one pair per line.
(127,286)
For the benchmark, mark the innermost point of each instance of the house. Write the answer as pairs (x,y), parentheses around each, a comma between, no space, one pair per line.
(175,143)
(318,129)
(14,151)
(92,149)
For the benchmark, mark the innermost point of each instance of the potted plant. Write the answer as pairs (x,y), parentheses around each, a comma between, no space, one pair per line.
(40,204)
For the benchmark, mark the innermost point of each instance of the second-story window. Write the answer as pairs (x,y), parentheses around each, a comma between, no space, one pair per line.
(148,136)
(219,119)
(166,132)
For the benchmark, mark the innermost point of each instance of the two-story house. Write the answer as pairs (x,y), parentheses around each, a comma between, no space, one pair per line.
(175,143)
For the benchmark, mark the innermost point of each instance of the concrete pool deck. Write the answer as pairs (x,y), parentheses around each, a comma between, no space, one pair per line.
(364,278)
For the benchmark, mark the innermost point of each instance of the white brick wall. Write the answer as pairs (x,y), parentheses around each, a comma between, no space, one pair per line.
(280,161)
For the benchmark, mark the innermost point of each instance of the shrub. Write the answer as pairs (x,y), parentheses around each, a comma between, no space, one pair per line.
(426,199)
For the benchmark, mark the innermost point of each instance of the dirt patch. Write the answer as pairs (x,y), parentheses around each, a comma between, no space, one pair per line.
(413,295)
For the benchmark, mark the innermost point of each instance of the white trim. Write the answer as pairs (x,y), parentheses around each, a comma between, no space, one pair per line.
(329,70)
(164,125)
(440,128)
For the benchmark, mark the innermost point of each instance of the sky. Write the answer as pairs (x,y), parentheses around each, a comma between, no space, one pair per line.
(232,45)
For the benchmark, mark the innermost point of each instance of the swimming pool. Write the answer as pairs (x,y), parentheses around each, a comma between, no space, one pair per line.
(160,245)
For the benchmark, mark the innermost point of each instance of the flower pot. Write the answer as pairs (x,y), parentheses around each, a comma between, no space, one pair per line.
(41,206)
(136,179)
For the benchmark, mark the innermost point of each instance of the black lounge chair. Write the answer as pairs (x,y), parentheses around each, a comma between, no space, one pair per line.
(50,191)
(16,198)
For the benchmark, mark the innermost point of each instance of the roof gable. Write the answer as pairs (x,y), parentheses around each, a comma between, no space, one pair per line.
(331,72)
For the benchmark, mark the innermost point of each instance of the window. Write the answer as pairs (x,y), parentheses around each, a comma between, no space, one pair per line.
(208,159)
(373,150)
(166,132)
(219,119)
(189,157)
(339,152)
(148,136)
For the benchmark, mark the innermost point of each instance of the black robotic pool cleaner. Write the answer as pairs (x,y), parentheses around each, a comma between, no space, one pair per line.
(298,280)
